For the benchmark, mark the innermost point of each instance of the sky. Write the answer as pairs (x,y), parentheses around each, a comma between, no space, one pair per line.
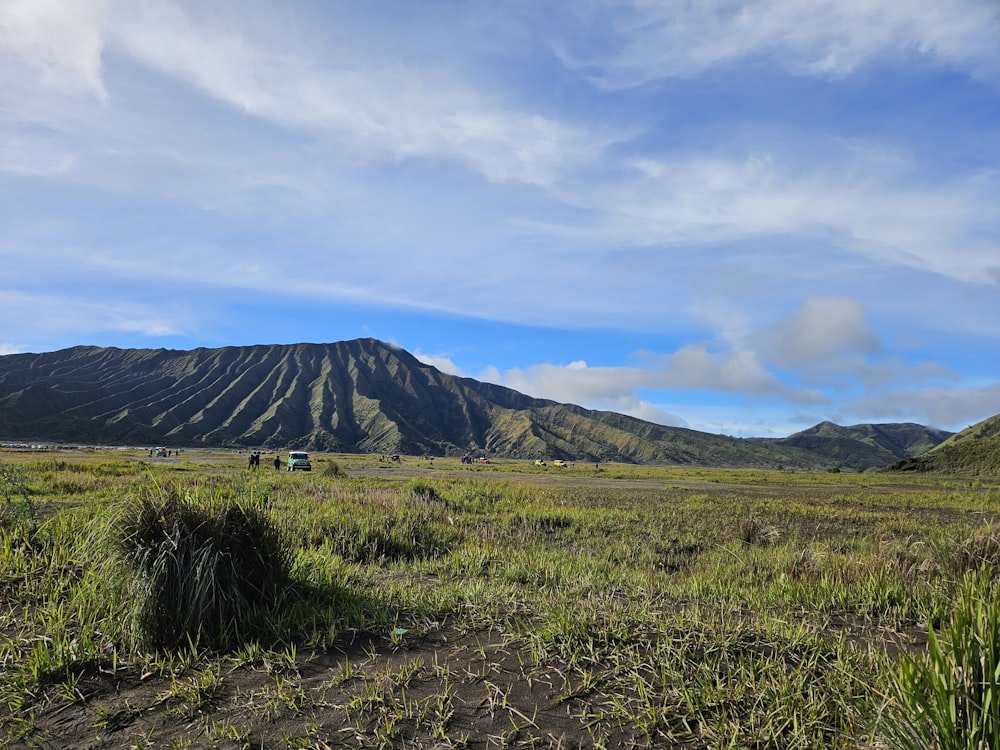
(742,218)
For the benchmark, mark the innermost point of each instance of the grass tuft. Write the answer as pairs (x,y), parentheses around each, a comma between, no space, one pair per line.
(757,531)
(17,513)
(200,572)
(949,697)
(980,549)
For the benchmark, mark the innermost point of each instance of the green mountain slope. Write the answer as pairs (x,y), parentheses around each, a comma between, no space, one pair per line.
(975,451)
(866,446)
(350,396)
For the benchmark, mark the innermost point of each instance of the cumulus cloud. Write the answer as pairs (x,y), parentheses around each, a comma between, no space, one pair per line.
(441,362)
(691,368)
(602,389)
(821,331)
(824,340)
(6,348)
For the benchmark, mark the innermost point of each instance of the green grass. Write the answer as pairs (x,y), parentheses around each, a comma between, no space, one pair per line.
(947,698)
(655,605)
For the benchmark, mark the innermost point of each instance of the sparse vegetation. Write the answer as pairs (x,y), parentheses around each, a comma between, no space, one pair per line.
(194,603)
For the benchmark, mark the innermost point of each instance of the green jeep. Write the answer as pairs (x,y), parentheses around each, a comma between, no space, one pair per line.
(299,460)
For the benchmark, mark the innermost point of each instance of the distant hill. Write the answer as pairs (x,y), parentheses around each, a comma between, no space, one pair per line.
(975,451)
(866,446)
(359,396)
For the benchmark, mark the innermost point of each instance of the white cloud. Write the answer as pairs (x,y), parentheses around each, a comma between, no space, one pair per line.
(441,362)
(828,341)
(31,155)
(573,383)
(55,42)
(848,196)
(875,203)
(604,389)
(490,374)
(822,330)
(632,406)
(380,109)
(824,341)
(51,313)
(827,38)
(691,368)
(950,409)
(6,348)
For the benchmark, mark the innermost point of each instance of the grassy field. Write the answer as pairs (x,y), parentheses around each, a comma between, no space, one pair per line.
(191,602)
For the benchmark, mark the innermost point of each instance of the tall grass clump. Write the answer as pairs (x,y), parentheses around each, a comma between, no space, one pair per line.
(331,469)
(979,549)
(17,513)
(949,698)
(198,571)
(754,530)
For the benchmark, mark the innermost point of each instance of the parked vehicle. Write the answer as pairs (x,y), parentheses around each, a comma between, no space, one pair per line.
(299,461)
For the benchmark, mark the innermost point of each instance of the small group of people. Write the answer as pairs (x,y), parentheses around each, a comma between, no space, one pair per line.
(162,452)
(253,461)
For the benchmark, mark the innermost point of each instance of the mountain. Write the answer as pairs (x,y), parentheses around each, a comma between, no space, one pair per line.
(351,396)
(866,446)
(975,451)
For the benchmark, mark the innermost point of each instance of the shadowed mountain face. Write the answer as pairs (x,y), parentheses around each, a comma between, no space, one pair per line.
(351,396)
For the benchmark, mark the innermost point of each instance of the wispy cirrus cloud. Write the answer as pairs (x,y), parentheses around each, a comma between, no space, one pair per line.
(60,44)
(887,212)
(825,38)
(71,316)
(385,110)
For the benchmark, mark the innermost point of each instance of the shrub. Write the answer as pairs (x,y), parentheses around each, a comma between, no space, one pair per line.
(199,572)
(949,698)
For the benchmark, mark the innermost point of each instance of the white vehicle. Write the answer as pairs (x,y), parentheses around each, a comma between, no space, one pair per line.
(299,461)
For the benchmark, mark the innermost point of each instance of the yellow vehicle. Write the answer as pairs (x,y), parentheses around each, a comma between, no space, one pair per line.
(559,462)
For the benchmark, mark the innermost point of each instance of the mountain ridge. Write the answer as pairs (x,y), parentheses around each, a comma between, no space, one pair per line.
(364,395)
(866,446)
(974,451)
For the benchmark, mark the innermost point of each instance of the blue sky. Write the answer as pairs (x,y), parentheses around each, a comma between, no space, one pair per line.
(743,218)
